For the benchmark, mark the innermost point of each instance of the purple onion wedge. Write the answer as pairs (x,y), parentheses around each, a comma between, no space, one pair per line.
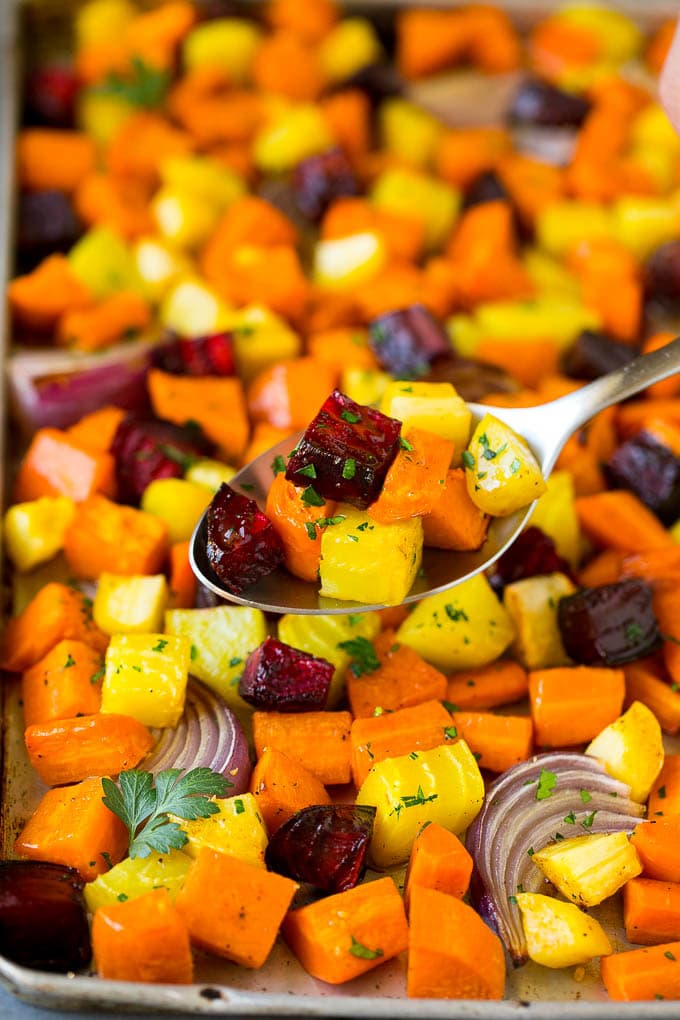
(209,735)
(525,809)
(325,845)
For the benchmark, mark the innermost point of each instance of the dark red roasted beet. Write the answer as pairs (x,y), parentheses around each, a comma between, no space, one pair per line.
(472,379)
(278,678)
(377,81)
(50,95)
(650,470)
(407,341)
(609,625)
(594,354)
(46,223)
(146,449)
(539,104)
(662,274)
(43,919)
(319,180)
(532,554)
(488,187)
(325,845)
(344,433)
(242,545)
(202,355)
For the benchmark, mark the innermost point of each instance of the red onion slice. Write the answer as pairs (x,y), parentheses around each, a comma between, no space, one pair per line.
(513,822)
(208,734)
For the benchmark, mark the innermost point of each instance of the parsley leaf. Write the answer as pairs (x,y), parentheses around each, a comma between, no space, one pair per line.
(145,86)
(586,797)
(364,659)
(278,465)
(633,633)
(144,808)
(404,444)
(363,952)
(311,497)
(181,457)
(455,614)
(309,471)
(349,468)
(546,784)
(70,661)
(350,417)
(468,459)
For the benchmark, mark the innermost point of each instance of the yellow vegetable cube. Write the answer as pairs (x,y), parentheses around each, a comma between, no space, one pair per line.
(464,334)
(204,178)
(158,266)
(133,604)
(220,640)
(561,225)
(409,132)
(588,869)
(298,132)
(237,829)
(138,875)
(350,45)
(364,385)
(209,474)
(364,561)
(101,116)
(261,338)
(103,261)
(34,531)
(558,934)
(102,20)
(432,406)
(631,749)
(178,502)
(459,629)
(442,785)
(347,262)
(146,677)
(620,37)
(555,514)
(532,606)
(323,636)
(230,43)
(652,129)
(409,191)
(501,472)
(644,223)
(191,308)
(560,317)
(183,217)
(549,276)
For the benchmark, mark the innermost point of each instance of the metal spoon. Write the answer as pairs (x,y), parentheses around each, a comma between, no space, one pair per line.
(546,428)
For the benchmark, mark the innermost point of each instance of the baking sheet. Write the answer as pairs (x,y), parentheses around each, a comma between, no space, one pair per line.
(281,987)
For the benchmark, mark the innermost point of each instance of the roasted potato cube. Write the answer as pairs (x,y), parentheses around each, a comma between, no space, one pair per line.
(432,406)
(631,749)
(532,607)
(588,869)
(558,934)
(502,473)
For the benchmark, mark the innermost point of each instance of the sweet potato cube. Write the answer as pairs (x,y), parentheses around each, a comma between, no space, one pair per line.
(69,750)
(440,861)
(318,740)
(571,705)
(233,909)
(143,939)
(106,537)
(402,679)
(455,522)
(55,466)
(64,683)
(282,787)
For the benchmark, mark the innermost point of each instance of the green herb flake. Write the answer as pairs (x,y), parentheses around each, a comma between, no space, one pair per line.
(570,819)
(515,466)
(354,618)
(311,531)
(350,417)
(546,784)
(450,732)
(278,465)
(662,792)
(239,806)
(99,675)
(70,661)
(236,661)
(587,823)
(670,956)
(362,527)
(363,952)
(181,457)
(143,86)
(531,851)
(349,468)
(364,658)
(586,797)
(468,459)
(193,653)
(122,897)
(513,900)
(160,645)
(404,444)
(456,615)
(311,497)
(449,705)
(413,756)
(633,633)
(309,471)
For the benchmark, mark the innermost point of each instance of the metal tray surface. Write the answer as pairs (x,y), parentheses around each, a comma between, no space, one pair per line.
(281,988)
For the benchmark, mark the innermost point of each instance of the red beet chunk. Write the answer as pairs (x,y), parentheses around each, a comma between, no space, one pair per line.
(325,845)
(43,919)
(405,342)
(662,275)
(203,355)
(345,453)
(595,354)
(539,104)
(278,678)
(609,625)
(146,449)
(319,180)
(487,187)
(46,223)
(531,555)
(471,379)
(650,470)
(50,96)
(242,544)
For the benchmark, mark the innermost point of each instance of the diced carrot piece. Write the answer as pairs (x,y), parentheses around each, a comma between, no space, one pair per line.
(348,115)
(318,740)
(102,744)
(216,402)
(651,911)
(264,275)
(497,741)
(72,826)
(142,143)
(532,184)
(64,683)
(645,682)
(571,705)
(121,316)
(392,734)
(342,348)
(249,220)
(50,158)
(455,522)
(108,537)
(39,298)
(55,466)
(635,414)
(262,438)
(416,479)
(452,954)
(183,582)
(403,234)
(283,787)
(465,153)
(310,23)
(285,65)
(499,683)
(642,973)
(665,796)
(341,936)
(232,908)
(295,523)
(430,40)
(438,861)
(604,568)
(289,394)
(619,520)
(142,939)
(95,431)
(118,203)
(528,360)
(54,613)
(656,842)
(666,603)
(659,46)
(402,680)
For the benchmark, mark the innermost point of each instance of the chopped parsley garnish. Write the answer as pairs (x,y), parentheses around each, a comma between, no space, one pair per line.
(239,805)
(449,705)
(363,952)
(515,466)
(350,417)
(468,459)
(181,457)
(144,805)
(586,797)
(570,819)
(669,955)
(70,661)
(99,675)
(513,900)
(236,661)
(349,468)
(309,471)
(450,732)
(455,614)
(633,633)
(546,784)
(145,86)
(193,653)
(311,530)
(311,497)
(160,645)
(531,851)
(662,792)
(354,618)
(364,658)
(362,527)
(587,823)
(413,800)
(404,443)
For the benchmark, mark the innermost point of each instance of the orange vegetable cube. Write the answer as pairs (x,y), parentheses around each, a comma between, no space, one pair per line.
(393,734)
(105,537)
(416,478)
(216,403)
(318,740)
(39,298)
(438,861)
(49,158)
(65,683)
(283,787)
(571,705)
(69,750)
(455,522)
(56,466)
(403,679)
(142,939)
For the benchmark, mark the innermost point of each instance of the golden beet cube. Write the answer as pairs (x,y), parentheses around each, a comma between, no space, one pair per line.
(236,829)
(34,531)
(138,875)
(501,472)
(131,604)
(432,406)
(588,869)
(631,749)
(532,607)
(146,677)
(364,561)
(558,934)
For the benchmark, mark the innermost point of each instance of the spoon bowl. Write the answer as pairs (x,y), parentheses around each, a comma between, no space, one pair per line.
(546,428)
